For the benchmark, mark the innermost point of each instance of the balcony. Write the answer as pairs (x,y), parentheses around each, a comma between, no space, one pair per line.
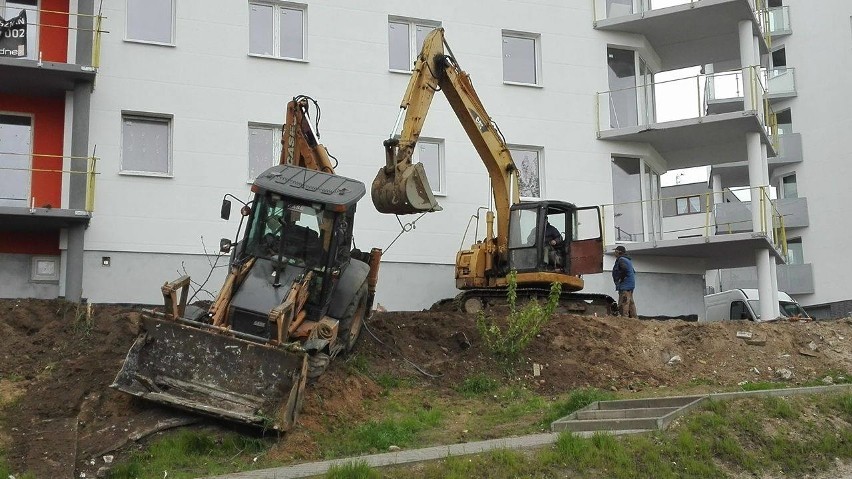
(724,91)
(735,217)
(792,278)
(776,21)
(669,228)
(697,31)
(30,196)
(39,63)
(789,152)
(676,119)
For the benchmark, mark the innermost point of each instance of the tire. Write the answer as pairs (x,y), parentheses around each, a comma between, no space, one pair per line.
(317,364)
(353,320)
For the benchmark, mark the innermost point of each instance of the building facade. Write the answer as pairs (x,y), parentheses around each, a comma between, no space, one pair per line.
(183,104)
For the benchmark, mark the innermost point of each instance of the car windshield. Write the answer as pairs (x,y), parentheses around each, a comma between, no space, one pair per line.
(294,231)
(786,308)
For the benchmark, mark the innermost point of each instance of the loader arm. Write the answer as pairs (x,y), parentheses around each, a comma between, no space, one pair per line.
(299,144)
(435,70)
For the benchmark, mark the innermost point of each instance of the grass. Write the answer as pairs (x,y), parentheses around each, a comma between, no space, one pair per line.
(183,454)
(477,385)
(401,429)
(352,470)
(756,436)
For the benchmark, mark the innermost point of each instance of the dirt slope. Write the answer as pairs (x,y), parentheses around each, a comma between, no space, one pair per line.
(57,412)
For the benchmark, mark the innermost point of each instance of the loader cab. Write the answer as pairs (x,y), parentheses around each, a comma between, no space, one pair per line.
(555,236)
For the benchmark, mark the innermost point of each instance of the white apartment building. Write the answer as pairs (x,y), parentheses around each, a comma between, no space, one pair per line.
(180,102)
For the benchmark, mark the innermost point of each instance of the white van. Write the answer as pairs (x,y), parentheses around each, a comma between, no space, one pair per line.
(744,304)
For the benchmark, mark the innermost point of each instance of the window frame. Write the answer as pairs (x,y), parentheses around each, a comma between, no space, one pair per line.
(539,150)
(173,33)
(782,185)
(277,6)
(689,209)
(168,119)
(442,175)
(413,47)
(536,37)
(276,146)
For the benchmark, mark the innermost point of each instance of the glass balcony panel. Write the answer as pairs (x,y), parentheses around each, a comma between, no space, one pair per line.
(779,20)
(781,81)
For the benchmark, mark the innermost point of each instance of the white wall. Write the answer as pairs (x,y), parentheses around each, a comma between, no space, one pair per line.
(820,49)
(213,89)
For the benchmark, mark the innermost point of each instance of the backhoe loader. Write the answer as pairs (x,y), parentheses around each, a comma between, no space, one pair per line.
(296,295)
(521,241)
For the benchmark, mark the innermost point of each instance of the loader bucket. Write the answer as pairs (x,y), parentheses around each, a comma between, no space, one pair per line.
(406,192)
(207,372)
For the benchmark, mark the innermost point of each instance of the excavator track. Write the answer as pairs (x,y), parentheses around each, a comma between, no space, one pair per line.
(584,304)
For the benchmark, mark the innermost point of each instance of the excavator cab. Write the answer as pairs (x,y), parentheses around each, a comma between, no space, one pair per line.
(554,236)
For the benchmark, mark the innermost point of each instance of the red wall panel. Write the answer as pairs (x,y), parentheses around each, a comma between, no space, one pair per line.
(46,186)
(53,37)
(36,242)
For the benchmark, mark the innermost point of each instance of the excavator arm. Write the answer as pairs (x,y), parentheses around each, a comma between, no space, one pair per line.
(402,187)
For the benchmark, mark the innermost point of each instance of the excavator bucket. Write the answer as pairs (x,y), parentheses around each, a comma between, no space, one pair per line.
(402,188)
(207,372)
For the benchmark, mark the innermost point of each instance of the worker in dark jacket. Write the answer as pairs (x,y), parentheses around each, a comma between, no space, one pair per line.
(624,277)
(554,245)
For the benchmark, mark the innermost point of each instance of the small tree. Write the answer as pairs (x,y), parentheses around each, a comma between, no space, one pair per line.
(522,324)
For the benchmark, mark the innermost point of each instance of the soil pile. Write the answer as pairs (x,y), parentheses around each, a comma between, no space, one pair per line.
(59,417)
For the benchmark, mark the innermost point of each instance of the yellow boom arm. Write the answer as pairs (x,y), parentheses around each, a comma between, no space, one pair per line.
(402,188)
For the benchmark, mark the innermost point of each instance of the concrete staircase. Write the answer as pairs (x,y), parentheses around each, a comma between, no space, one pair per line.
(633,415)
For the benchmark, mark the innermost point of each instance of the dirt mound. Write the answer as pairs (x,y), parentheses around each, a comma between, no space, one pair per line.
(614,353)
(57,364)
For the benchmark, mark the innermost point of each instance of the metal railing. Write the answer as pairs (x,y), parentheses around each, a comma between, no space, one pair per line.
(39,22)
(661,219)
(729,85)
(90,175)
(672,100)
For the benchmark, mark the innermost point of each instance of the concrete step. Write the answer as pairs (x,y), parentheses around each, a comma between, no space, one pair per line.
(646,424)
(644,414)
(654,412)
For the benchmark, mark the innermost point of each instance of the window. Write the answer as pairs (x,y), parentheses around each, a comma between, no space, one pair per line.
(795,254)
(739,311)
(405,40)
(430,153)
(264,145)
(529,162)
(277,30)
(521,58)
(689,205)
(789,188)
(146,144)
(20,41)
(150,21)
(16,146)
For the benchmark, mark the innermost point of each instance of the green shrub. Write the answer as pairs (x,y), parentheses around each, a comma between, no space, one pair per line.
(522,324)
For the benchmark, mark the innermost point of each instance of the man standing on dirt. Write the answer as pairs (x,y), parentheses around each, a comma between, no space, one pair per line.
(624,277)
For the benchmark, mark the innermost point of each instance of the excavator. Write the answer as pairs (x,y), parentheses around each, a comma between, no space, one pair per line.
(296,295)
(524,240)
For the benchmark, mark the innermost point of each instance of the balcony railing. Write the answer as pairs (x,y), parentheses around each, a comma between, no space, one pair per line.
(728,86)
(44,27)
(776,21)
(659,219)
(678,99)
(26,175)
